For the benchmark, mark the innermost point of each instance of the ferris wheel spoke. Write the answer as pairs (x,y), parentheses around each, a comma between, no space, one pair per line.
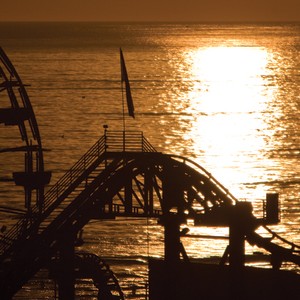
(18,112)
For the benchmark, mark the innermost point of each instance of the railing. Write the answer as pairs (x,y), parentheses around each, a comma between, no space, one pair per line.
(119,209)
(71,176)
(127,141)
(61,186)
(111,141)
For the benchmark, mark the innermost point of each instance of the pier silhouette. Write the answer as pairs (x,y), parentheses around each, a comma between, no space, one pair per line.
(122,175)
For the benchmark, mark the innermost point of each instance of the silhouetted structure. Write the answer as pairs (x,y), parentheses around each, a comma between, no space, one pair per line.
(20,113)
(123,175)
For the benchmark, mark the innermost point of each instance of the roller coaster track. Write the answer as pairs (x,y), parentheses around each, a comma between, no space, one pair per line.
(121,175)
(91,266)
(103,277)
(103,184)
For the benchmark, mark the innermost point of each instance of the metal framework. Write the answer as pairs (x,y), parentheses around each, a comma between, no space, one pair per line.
(18,112)
(108,182)
(121,175)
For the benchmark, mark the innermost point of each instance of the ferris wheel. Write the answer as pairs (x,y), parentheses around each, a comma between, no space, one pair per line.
(16,111)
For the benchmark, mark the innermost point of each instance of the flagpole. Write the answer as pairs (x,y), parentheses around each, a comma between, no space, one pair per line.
(130,106)
(123,102)
(123,105)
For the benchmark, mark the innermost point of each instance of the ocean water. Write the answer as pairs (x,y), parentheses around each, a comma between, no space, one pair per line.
(224,95)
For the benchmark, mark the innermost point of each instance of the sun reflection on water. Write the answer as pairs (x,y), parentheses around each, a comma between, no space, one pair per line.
(228,79)
(228,98)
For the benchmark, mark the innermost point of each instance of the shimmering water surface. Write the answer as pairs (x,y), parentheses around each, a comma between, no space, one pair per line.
(226,96)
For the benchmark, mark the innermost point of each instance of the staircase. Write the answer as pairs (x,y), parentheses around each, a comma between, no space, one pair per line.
(89,186)
(31,242)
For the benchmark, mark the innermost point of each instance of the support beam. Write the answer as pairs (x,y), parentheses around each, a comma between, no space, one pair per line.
(128,195)
(66,276)
(236,245)
(241,221)
(172,238)
(148,191)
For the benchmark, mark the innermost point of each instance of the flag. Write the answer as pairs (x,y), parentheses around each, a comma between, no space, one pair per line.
(124,78)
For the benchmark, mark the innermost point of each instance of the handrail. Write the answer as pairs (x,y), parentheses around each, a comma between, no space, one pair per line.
(117,141)
(118,208)
(61,185)
(69,177)
(127,141)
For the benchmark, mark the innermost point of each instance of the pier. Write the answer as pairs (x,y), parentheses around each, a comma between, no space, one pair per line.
(122,175)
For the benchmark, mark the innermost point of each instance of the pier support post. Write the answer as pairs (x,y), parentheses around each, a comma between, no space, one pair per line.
(128,195)
(66,276)
(236,246)
(241,221)
(172,238)
(171,279)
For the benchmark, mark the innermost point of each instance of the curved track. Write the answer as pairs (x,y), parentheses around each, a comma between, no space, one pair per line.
(148,184)
(121,175)
(103,277)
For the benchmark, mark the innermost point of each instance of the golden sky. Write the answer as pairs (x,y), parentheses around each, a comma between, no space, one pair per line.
(150,10)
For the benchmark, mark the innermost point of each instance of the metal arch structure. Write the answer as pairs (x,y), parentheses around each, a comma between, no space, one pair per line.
(18,111)
(158,184)
(123,175)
